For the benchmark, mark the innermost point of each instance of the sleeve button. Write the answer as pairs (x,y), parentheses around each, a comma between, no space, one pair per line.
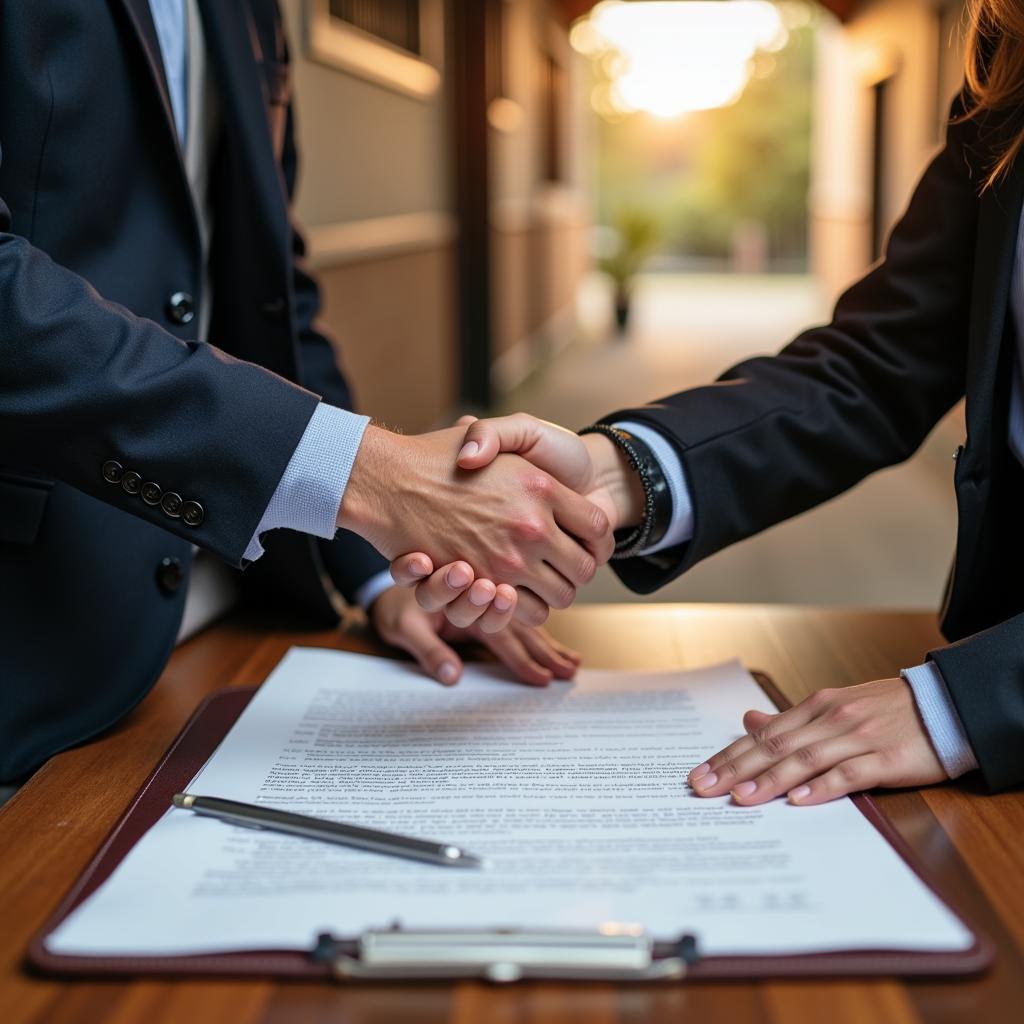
(171,504)
(131,482)
(112,471)
(192,513)
(151,493)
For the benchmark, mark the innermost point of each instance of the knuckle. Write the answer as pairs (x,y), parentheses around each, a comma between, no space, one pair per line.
(809,756)
(849,773)
(564,596)
(821,699)
(844,713)
(772,744)
(531,528)
(509,565)
(599,521)
(865,731)
(727,770)
(538,484)
(587,569)
(770,779)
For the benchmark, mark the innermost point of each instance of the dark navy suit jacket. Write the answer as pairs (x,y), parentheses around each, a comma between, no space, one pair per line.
(778,435)
(98,242)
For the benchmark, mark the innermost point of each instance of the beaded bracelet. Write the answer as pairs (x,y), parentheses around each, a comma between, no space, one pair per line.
(657,499)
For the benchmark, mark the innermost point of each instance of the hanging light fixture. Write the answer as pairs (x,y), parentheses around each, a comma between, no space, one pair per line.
(669,57)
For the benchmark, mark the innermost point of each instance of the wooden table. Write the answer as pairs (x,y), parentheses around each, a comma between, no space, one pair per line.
(54,824)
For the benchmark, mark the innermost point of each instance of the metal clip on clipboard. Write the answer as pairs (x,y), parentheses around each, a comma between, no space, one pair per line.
(506,956)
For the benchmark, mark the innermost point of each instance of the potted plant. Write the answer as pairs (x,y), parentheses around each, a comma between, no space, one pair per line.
(636,235)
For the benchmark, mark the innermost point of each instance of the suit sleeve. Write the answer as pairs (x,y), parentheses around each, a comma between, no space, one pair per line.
(84,382)
(984,674)
(777,435)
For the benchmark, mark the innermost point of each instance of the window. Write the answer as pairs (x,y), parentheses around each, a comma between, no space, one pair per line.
(396,43)
(395,21)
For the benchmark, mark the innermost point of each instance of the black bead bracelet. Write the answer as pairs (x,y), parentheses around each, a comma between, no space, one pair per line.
(657,511)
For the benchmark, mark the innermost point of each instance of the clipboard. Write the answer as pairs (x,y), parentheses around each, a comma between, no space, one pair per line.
(499,956)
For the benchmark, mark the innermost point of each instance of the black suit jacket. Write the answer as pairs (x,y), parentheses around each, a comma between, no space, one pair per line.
(775,436)
(97,232)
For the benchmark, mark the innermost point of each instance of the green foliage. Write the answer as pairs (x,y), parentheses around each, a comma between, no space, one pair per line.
(707,172)
(638,234)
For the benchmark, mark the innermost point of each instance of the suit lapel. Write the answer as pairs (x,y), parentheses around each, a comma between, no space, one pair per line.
(140,17)
(998,224)
(232,46)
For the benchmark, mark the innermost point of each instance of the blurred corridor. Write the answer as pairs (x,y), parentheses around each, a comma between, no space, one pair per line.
(470,164)
(883,544)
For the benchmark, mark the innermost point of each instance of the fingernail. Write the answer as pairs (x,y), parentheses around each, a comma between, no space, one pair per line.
(744,789)
(419,569)
(469,449)
(700,771)
(458,577)
(800,793)
(502,602)
(707,781)
(448,672)
(480,597)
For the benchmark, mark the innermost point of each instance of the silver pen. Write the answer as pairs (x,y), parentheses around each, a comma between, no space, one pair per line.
(253,816)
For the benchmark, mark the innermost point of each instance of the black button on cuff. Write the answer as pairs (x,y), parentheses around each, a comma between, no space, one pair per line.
(112,471)
(192,513)
(131,482)
(151,492)
(171,504)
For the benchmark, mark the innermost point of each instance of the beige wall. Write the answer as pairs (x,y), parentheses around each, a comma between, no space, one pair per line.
(538,228)
(908,43)
(374,200)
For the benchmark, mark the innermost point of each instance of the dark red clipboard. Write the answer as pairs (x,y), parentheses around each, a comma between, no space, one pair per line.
(197,742)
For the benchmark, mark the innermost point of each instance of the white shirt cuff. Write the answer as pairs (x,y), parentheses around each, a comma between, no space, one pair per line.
(680,527)
(945,729)
(373,588)
(309,495)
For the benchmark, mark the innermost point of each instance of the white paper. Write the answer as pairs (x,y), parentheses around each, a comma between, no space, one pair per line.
(575,794)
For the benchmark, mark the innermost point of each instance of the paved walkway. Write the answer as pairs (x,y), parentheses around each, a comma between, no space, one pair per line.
(887,543)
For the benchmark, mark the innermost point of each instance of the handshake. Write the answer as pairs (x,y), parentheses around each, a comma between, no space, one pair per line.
(492,520)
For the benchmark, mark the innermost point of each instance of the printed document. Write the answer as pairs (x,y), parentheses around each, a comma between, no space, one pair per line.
(575,795)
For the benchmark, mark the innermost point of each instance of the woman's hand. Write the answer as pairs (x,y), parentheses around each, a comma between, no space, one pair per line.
(833,743)
(528,651)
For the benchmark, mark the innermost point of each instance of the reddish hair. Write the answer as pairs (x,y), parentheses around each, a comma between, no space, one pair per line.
(995,73)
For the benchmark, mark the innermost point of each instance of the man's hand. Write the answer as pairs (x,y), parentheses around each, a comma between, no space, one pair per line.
(590,465)
(511,521)
(529,652)
(833,743)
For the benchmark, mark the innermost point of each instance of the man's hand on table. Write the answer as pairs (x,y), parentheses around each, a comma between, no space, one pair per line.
(529,652)
(833,743)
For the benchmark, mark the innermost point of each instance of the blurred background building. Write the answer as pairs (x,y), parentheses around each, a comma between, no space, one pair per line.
(566,208)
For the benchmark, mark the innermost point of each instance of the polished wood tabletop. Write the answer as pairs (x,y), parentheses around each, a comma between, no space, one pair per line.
(972,841)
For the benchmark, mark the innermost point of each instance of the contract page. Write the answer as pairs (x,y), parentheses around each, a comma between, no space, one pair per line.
(574,794)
